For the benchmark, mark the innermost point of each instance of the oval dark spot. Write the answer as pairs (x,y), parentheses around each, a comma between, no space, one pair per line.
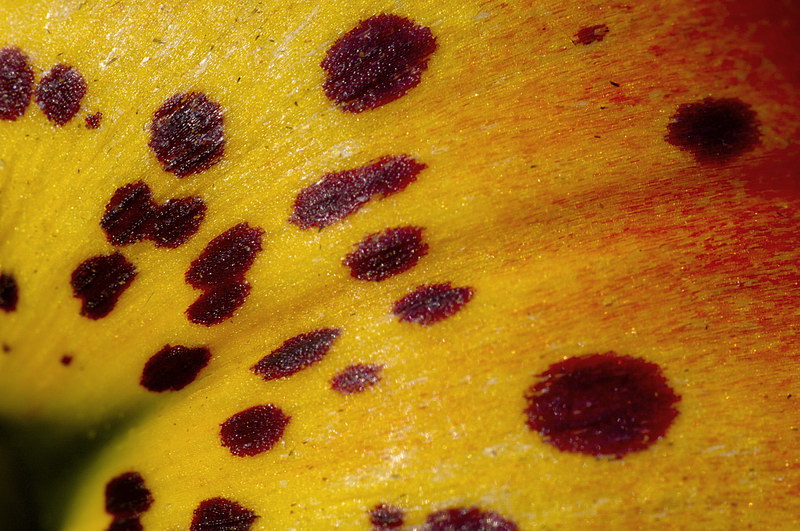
(601,404)
(177,220)
(253,431)
(591,34)
(338,195)
(296,354)
(173,368)
(120,523)
(430,303)
(467,519)
(218,304)
(6,348)
(99,282)
(66,360)
(187,134)
(376,62)
(226,258)
(714,130)
(385,254)
(60,92)
(93,120)
(356,378)
(220,514)
(9,293)
(127,495)
(128,217)
(16,83)
(385,516)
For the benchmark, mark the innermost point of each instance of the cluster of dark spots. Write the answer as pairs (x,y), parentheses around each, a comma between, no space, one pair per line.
(384,254)
(601,405)
(431,303)
(220,514)
(9,293)
(296,354)
(591,34)
(187,134)
(226,258)
(714,130)
(340,194)
(356,378)
(177,220)
(383,517)
(99,282)
(218,304)
(173,367)
(60,92)
(66,360)
(467,519)
(93,120)
(127,495)
(16,83)
(254,430)
(376,62)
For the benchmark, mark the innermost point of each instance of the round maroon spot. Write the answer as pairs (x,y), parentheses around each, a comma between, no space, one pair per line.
(187,134)
(131,523)
(296,354)
(601,404)
(431,303)
(16,83)
(173,368)
(356,379)
(218,304)
(60,92)
(9,293)
(66,360)
(176,221)
(226,258)
(128,217)
(385,254)
(99,282)
(253,431)
(467,519)
(127,495)
(376,62)
(591,34)
(385,516)
(6,348)
(93,120)
(714,130)
(220,514)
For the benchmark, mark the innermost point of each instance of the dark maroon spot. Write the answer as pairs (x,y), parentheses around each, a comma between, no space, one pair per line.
(6,348)
(338,195)
(356,378)
(131,523)
(296,354)
(99,282)
(66,360)
(60,92)
(177,220)
(9,293)
(218,304)
(127,495)
(376,62)
(93,120)
(219,514)
(16,83)
(226,258)
(384,517)
(714,130)
(187,134)
(385,254)
(430,303)
(253,431)
(591,34)
(467,519)
(128,217)
(602,404)
(173,368)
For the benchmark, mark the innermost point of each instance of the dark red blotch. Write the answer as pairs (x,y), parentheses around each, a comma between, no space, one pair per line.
(601,404)
(218,304)
(9,293)
(226,258)
(383,517)
(340,194)
(127,495)
(254,430)
(431,303)
(177,220)
(16,83)
(128,217)
(591,34)
(60,92)
(385,254)
(173,367)
(220,514)
(296,354)
(93,120)
(356,378)
(66,360)
(376,62)
(467,519)
(99,282)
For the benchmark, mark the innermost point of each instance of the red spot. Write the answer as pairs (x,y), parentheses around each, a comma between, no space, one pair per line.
(131,523)
(220,514)
(384,517)
(6,348)
(93,120)
(99,282)
(296,354)
(66,360)
(177,220)
(591,34)
(383,255)
(376,62)
(127,495)
(253,431)
(226,258)
(430,303)
(602,404)
(16,83)
(60,92)
(173,368)
(467,519)
(9,293)
(356,379)
(128,217)
(187,134)
(218,304)
(340,194)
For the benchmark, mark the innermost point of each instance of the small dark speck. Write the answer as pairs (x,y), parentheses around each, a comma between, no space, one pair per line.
(789,395)
(158,41)
(238,79)
(6,348)
(597,136)
(66,360)
(603,108)
(615,84)
(295,104)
